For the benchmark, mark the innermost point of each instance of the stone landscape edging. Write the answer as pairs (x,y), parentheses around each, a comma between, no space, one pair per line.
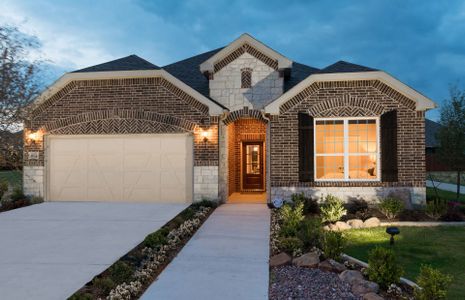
(363,264)
(421,224)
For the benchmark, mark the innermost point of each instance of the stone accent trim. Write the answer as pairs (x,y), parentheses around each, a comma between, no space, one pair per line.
(121,82)
(246,48)
(33,180)
(244,113)
(97,121)
(314,87)
(205,183)
(346,184)
(346,106)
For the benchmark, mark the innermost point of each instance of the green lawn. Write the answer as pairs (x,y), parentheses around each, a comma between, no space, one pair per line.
(13,177)
(447,177)
(449,196)
(442,247)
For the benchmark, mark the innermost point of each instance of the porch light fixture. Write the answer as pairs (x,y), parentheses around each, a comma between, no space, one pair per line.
(205,136)
(392,231)
(34,136)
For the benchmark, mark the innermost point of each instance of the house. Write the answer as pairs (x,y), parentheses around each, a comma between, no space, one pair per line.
(239,122)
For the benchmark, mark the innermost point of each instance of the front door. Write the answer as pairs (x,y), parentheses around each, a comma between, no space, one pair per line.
(252,166)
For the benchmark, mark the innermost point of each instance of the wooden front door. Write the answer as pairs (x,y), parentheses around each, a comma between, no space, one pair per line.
(252,166)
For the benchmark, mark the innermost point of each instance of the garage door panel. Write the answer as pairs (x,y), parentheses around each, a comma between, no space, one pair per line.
(155,168)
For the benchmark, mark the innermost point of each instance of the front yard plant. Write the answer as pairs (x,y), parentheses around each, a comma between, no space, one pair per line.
(334,244)
(332,209)
(436,207)
(383,267)
(434,284)
(134,272)
(391,207)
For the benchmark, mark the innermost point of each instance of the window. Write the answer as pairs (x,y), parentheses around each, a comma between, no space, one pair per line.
(246,78)
(346,149)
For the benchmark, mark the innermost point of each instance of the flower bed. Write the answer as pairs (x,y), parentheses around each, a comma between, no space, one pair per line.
(15,199)
(132,274)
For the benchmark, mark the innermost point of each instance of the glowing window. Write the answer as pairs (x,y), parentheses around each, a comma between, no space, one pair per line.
(346,149)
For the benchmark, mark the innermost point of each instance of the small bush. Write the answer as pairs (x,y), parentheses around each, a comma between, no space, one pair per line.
(391,207)
(290,245)
(332,209)
(187,214)
(36,200)
(103,285)
(291,216)
(436,207)
(204,203)
(311,233)
(120,272)
(17,195)
(334,244)
(310,204)
(383,267)
(452,216)
(3,187)
(157,239)
(359,209)
(433,283)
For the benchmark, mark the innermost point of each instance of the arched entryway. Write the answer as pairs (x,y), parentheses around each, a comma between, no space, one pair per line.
(246,160)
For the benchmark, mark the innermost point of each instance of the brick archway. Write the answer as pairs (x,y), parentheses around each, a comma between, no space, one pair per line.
(119,121)
(346,106)
(244,113)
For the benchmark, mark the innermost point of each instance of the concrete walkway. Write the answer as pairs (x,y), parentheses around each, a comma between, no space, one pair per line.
(445,186)
(226,259)
(50,250)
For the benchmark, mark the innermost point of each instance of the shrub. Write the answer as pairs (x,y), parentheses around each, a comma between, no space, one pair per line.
(290,245)
(17,195)
(383,267)
(205,203)
(391,207)
(103,285)
(3,188)
(120,272)
(311,233)
(291,216)
(36,200)
(359,208)
(157,239)
(81,296)
(436,207)
(452,216)
(310,204)
(433,283)
(332,209)
(334,244)
(187,214)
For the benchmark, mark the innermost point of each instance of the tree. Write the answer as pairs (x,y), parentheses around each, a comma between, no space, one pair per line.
(452,133)
(19,85)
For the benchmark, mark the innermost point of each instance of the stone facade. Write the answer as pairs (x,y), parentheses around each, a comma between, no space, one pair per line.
(225,87)
(33,180)
(205,183)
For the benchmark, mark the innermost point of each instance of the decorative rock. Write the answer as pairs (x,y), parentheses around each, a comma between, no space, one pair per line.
(362,287)
(372,296)
(330,265)
(341,226)
(280,259)
(371,222)
(355,223)
(308,260)
(350,276)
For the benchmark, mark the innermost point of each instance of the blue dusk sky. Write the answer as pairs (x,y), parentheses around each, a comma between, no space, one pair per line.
(422,43)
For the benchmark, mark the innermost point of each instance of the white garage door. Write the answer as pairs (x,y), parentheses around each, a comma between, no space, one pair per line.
(126,168)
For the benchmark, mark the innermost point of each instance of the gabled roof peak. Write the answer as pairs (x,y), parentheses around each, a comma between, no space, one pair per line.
(245,38)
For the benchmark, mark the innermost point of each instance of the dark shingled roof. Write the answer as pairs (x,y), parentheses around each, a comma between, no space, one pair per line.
(345,67)
(128,63)
(298,73)
(188,71)
(431,128)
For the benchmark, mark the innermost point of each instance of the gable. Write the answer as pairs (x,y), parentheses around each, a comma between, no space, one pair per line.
(245,44)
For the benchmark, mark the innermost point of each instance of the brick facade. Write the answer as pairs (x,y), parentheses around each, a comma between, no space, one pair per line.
(342,99)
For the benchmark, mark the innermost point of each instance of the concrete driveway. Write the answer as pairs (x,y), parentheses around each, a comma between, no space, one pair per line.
(49,250)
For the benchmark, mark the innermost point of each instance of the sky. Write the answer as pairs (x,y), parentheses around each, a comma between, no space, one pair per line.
(421,43)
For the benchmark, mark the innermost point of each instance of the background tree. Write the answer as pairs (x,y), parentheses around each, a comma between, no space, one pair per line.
(19,84)
(451,135)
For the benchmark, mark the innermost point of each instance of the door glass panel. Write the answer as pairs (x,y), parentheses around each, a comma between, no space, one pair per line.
(253,159)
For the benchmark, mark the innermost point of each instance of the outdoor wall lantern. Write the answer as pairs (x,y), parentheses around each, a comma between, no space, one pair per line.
(34,137)
(392,231)
(205,136)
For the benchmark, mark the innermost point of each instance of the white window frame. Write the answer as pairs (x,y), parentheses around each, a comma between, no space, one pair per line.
(346,150)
